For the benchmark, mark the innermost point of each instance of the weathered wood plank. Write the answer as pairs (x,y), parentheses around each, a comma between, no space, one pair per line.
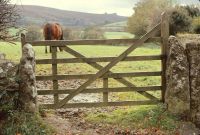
(54,72)
(105,86)
(110,65)
(89,42)
(101,104)
(108,75)
(100,90)
(98,59)
(164,49)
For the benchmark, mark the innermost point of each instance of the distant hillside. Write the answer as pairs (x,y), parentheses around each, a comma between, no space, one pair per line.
(39,15)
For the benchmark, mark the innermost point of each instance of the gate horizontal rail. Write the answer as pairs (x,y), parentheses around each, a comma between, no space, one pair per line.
(59,43)
(86,76)
(100,90)
(97,59)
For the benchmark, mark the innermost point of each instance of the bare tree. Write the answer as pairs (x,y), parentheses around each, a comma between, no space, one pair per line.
(8,20)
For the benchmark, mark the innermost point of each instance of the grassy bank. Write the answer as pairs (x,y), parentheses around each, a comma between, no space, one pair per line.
(21,123)
(150,119)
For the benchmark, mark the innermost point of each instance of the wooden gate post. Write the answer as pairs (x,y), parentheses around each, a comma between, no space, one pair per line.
(23,40)
(164,50)
(54,72)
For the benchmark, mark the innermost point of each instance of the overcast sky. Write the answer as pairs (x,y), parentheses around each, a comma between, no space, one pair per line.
(121,7)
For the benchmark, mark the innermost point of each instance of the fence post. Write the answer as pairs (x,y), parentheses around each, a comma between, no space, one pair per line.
(164,49)
(105,86)
(54,73)
(23,40)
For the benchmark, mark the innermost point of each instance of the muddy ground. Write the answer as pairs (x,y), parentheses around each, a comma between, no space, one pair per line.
(72,121)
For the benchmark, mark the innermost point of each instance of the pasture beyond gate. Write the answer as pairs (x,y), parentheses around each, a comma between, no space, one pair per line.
(104,72)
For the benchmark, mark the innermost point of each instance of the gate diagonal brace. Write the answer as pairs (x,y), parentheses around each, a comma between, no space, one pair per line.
(99,67)
(110,65)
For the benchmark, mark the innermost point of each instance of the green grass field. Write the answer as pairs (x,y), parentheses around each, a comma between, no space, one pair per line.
(148,118)
(115,35)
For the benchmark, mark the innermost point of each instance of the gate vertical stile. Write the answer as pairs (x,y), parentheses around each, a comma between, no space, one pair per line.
(23,41)
(164,50)
(54,73)
(105,86)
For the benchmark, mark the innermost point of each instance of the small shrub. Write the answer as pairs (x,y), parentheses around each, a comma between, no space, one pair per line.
(192,11)
(8,87)
(67,34)
(77,34)
(93,33)
(8,101)
(147,14)
(180,21)
(137,25)
(24,124)
(196,25)
(33,33)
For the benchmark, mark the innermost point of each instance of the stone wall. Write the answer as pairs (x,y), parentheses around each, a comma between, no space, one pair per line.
(183,79)
(9,86)
(193,51)
(27,86)
(17,82)
(177,93)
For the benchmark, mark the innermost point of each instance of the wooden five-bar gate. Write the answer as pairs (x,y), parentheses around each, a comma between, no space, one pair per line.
(104,72)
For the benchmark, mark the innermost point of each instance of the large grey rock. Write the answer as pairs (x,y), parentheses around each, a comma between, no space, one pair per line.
(27,92)
(177,94)
(193,50)
(188,128)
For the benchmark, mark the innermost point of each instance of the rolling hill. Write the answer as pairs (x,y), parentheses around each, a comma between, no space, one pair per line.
(38,15)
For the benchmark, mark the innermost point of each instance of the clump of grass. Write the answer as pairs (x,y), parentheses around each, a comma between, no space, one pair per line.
(138,117)
(22,123)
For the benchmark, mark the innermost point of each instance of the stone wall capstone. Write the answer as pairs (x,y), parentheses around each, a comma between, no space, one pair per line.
(177,94)
(193,50)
